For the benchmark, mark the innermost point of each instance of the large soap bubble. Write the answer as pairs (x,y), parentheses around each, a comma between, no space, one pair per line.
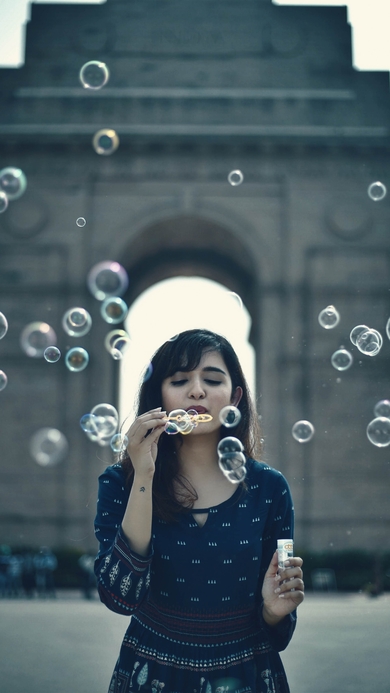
(48,447)
(94,75)
(36,337)
(382,408)
(13,182)
(106,419)
(329,317)
(303,431)
(229,444)
(76,322)
(107,279)
(356,332)
(230,416)
(119,442)
(378,432)
(369,342)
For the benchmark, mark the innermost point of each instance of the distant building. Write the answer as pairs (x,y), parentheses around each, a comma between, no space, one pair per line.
(197,90)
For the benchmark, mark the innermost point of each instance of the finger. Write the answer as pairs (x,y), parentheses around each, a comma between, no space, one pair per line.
(142,425)
(273,567)
(295,561)
(295,585)
(289,574)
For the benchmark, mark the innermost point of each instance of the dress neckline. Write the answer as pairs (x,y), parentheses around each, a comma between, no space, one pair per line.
(197,511)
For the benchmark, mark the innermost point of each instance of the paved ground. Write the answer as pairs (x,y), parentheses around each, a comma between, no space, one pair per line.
(70,645)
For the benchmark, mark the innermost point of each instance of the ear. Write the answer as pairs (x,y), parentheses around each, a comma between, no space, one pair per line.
(237,394)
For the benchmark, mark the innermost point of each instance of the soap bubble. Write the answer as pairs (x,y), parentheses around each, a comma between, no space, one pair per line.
(236,475)
(13,182)
(235,177)
(113,310)
(229,444)
(3,325)
(329,318)
(105,142)
(76,322)
(3,381)
(106,420)
(382,408)
(88,423)
(236,298)
(388,328)
(182,420)
(302,431)
(378,431)
(229,461)
(341,359)
(94,75)
(48,447)
(230,416)
(117,342)
(369,342)
(36,337)
(52,354)
(76,359)
(81,222)
(3,201)
(171,428)
(119,442)
(107,279)
(356,332)
(377,191)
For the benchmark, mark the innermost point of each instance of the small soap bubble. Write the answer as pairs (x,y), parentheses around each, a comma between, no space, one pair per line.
(76,359)
(341,359)
(182,420)
(329,318)
(171,428)
(80,221)
(302,431)
(113,310)
(76,322)
(230,416)
(94,75)
(105,142)
(36,337)
(3,325)
(119,442)
(175,336)
(119,347)
(369,342)
(3,201)
(377,191)
(52,354)
(388,328)
(382,408)
(229,444)
(13,182)
(3,381)
(107,279)
(88,423)
(356,332)
(378,431)
(235,177)
(48,447)
(236,298)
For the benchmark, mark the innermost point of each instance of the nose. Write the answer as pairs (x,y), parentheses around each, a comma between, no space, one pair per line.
(196,390)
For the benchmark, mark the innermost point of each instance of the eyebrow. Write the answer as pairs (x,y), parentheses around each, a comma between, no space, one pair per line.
(208,369)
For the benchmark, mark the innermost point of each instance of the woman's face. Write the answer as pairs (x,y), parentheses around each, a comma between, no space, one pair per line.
(207,389)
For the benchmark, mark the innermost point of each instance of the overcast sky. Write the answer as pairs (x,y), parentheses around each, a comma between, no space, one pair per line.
(370,20)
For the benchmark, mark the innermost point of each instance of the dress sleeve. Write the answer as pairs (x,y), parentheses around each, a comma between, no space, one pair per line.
(123,576)
(280,525)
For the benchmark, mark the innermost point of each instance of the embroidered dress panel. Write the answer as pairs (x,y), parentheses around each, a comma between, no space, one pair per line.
(195,601)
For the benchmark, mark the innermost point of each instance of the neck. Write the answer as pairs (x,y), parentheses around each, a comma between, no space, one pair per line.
(198,456)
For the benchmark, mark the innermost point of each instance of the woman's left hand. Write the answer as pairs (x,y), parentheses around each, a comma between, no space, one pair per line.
(283,589)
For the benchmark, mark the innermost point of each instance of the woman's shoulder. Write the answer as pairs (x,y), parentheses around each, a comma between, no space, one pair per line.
(114,474)
(259,472)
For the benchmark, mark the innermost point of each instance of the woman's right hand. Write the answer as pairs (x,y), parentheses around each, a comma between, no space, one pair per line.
(143,435)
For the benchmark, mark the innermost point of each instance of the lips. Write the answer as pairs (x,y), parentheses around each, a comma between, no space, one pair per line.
(200,410)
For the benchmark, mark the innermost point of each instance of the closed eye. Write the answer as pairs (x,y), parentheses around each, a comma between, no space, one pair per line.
(213,382)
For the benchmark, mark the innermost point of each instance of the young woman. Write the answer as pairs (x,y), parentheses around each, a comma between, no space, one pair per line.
(187,553)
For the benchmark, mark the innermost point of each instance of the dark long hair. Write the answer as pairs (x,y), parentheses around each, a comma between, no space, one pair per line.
(184,353)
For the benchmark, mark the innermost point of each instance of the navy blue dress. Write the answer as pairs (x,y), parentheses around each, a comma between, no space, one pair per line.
(195,601)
